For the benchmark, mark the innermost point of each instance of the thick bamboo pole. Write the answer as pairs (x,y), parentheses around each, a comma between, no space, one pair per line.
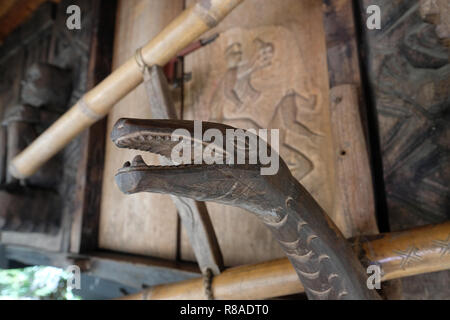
(399,254)
(96,103)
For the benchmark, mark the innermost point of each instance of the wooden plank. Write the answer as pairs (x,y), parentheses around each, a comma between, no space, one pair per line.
(355,203)
(408,69)
(30,214)
(278,277)
(143,223)
(438,13)
(354,181)
(86,216)
(2,155)
(266,70)
(139,272)
(45,38)
(133,271)
(15,12)
(193,214)
(410,86)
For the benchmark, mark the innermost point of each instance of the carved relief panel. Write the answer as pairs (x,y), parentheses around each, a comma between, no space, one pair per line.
(264,72)
(44,69)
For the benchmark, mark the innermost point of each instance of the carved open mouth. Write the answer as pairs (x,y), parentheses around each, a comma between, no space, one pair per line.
(188,145)
(156,143)
(138,164)
(154,136)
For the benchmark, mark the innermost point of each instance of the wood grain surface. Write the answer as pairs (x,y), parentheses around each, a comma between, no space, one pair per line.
(44,38)
(145,223)
(266,70)
(409,74)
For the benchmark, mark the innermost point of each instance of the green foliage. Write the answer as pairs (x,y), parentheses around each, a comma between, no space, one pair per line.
(38,282)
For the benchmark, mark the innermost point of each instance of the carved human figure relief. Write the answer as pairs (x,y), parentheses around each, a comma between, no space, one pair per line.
(259,82)
(248,78)
(301,162)
(236,84)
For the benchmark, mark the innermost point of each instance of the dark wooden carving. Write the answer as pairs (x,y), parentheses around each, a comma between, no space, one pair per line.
(321,256)
(46,86)
(44,68)
(410,77)
(409,71)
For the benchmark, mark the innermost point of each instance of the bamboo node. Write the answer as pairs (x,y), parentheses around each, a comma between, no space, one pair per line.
(207,16)
(87,111)
(140,59)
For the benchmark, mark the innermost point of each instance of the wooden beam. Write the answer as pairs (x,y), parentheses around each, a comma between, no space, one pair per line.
(354,192)
(193,214)
(15,12)
(399,254)
(86,217)
(137,271)
(352,149)
(130,270)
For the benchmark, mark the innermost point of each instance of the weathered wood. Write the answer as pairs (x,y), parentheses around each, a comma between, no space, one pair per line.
(194,214)
(46,86)
(318,251)
(410,86)
(96,103)
(133,271)
(15,12)
(26,211)
(46,39)
(266,280)
(139,272)
(3,154)
(30,211)
(438,13)
(266,70)
(23,123)
(409,74)
(86,216)
(123,217)
(354,189)
(344,69)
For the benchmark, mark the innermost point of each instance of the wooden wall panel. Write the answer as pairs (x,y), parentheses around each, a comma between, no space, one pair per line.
(142,223)
(44,216)
(267,69)
(409,73)
(15,12)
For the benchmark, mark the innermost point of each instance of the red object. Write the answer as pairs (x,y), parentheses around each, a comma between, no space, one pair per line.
(170,67)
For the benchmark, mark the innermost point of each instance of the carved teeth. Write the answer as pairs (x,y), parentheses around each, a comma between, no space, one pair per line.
(138,161)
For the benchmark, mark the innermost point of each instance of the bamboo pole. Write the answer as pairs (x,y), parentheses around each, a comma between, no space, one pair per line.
(399,254)
(96,103)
